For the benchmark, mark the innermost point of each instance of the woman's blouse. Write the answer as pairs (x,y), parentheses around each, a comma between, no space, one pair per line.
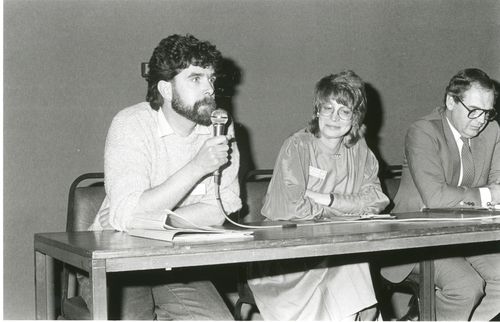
(304,162)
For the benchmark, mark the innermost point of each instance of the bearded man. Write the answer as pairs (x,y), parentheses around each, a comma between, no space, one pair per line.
(161,155)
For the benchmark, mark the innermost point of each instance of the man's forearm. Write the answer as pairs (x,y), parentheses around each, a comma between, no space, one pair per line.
(153,220)
(202,214)
(168,194)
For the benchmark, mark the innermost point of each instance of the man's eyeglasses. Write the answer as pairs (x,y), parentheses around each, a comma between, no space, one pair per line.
(344,113)
(474,113)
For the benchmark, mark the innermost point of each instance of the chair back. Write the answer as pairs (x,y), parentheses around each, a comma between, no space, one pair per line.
(84,201)
(253,193)
(86,195)
(390,180)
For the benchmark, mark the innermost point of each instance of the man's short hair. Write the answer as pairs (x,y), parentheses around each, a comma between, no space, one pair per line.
(465,79)
(174,54)
(348,89)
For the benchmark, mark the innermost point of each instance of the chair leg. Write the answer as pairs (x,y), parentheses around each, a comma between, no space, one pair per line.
(409,285)
(237,310)
(413,311)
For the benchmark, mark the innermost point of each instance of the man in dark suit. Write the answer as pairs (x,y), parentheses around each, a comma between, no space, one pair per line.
(452,159)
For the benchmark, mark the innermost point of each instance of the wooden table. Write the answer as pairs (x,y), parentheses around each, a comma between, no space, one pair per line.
(108,251)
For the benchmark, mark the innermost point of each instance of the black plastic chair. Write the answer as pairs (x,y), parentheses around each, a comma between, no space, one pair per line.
(84,202)
(253,192)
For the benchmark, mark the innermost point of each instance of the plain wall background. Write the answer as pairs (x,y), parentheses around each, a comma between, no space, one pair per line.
(70,66)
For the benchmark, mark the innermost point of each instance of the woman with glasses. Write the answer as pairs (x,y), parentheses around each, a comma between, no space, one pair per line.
(323,172)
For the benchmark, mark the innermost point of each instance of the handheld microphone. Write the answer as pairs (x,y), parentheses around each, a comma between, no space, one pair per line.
(219,118)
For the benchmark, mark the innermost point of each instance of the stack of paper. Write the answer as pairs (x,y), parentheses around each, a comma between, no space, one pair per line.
(187,231)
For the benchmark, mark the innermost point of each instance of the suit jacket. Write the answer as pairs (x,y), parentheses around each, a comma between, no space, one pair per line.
(431,171)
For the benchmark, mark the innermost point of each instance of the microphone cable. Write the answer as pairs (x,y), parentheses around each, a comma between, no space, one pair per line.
(224,213)
(219,118)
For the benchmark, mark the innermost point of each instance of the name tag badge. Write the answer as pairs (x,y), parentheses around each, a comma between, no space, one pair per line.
(317,173)
(200,189)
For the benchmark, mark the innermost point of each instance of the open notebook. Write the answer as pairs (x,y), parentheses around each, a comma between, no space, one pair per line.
(187,231)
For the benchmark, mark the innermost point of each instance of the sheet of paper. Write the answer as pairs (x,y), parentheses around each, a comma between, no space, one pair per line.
(186,235)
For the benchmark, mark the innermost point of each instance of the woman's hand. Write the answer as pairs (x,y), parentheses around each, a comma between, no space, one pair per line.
(320,198)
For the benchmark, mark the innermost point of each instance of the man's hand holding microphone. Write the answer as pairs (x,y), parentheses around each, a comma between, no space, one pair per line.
(215,151)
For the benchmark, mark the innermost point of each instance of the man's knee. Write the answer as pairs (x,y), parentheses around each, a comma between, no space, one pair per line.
(469,289)
(476,292)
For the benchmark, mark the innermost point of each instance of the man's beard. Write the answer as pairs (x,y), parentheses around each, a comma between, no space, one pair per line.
(199,113)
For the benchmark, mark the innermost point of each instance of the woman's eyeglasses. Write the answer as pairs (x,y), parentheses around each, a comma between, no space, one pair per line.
(343,112)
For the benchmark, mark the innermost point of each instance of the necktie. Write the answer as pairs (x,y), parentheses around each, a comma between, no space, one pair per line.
(467,164)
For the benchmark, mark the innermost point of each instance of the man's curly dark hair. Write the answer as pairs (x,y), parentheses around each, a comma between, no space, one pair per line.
(171,56)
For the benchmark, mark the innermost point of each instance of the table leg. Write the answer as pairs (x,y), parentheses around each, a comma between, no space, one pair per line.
(98,290)
(44,287)
(427,291)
